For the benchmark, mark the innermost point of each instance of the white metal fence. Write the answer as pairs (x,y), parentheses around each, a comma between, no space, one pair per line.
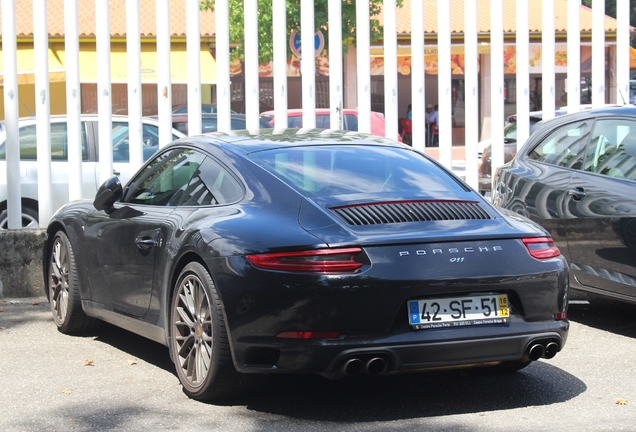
(223,90)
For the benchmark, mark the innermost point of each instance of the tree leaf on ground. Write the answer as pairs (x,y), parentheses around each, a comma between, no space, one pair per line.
(88,363)
(620,401)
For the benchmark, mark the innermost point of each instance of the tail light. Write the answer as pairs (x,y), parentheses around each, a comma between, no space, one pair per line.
(541,247)
(325,261)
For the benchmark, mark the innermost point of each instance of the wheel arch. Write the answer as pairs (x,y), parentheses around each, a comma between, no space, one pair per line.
(26,202)
(183,261)
(46,251)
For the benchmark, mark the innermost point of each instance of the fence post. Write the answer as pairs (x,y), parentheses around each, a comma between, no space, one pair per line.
(104,97)
(11,113)
(43,110)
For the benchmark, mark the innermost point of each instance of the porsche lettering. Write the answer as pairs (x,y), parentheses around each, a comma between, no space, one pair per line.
(438,251)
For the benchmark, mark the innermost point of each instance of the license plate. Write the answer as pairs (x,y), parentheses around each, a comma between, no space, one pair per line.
(458,311)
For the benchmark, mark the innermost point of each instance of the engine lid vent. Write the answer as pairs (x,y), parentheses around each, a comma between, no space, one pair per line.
(410,211)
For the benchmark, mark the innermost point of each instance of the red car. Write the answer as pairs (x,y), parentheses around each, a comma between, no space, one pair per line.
(349,120)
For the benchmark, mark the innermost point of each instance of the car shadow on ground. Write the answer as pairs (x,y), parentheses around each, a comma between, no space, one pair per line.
(604,314)
(418,395)
(137,346)
(384,398)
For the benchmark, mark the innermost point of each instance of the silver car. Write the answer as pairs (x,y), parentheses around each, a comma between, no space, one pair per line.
(59,160)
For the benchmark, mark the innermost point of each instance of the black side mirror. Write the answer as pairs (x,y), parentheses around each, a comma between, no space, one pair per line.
(108,194)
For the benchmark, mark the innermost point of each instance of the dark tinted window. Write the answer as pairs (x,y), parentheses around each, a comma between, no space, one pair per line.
(343,169)
(209,185)
(59,142)
(163,181)
(612,150)
(564,146)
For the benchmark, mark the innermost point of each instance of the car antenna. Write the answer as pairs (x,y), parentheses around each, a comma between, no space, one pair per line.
(619,89)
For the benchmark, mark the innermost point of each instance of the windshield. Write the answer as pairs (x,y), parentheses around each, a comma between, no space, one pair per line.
(344,169)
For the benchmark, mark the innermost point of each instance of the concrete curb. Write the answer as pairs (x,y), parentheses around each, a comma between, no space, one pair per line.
(21,263)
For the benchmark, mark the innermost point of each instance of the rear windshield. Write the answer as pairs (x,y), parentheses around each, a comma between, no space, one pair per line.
(343,169)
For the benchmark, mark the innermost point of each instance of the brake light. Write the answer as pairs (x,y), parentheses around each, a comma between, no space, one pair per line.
(541,247)
(309,335)
(325,261)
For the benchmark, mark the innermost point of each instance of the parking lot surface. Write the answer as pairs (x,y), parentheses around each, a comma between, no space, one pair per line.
(115,380)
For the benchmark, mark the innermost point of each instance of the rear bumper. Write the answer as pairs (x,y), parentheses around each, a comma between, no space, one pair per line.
(331,356)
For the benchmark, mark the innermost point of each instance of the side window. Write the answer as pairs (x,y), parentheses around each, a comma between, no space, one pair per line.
(564,147)
(351,122)
(59,143)
(210,185)
(323,121)
(121,144)
(163,181)
(28,143)
(150,140)
(150,135)
(612,150)
(121,141)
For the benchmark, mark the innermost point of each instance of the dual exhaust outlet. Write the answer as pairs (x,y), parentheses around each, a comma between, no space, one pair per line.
(542,349)
(356,366)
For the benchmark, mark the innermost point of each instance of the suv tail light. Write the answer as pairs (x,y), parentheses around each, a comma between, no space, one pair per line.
(541,247)
(325,261)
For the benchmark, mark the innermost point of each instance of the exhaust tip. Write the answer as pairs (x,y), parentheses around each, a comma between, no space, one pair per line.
(551,350)
(352,367)
(535,352)
(376,366)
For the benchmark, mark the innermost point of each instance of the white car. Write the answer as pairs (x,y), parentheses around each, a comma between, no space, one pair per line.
(59,161)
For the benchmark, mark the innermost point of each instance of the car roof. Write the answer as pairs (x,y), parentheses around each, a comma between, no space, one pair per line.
(245,141)
(625,110)
(549,125)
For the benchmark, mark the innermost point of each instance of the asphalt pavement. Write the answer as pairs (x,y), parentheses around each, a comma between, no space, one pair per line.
(115,380)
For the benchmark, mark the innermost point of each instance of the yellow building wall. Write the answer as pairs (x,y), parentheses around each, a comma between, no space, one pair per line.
(26,99)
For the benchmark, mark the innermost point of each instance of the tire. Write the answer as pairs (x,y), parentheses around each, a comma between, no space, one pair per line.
(199,341)
(63,288)
(30,218)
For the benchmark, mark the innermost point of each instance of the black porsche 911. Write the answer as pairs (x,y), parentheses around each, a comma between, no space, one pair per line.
(328,252)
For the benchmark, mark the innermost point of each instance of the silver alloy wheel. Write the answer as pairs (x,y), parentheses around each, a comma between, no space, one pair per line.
(28,221)
(192,330)
(58,283)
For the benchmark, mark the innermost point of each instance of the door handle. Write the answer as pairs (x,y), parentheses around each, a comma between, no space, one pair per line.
(145,242)
(116,173)
(577,194)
